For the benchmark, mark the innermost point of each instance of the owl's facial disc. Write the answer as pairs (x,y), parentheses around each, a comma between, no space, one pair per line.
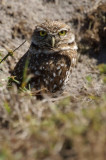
(53,35)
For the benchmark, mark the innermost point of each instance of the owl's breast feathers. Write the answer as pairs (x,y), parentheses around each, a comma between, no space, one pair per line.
(50,71)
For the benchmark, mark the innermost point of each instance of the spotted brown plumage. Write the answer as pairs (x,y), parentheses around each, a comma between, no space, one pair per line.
(51,56)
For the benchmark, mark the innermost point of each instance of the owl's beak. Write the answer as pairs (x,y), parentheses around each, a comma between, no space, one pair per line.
(53,41)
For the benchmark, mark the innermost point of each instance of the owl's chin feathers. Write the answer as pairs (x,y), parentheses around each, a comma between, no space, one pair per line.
(69,46)
(49,50)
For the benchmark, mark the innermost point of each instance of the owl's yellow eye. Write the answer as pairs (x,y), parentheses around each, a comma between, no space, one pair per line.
(43,33)
(62,33)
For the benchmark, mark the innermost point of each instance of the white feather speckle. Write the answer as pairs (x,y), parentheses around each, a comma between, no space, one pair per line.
(51,79)
(54,74)
(40,68)
(58,67)
(59,72)
(62,64)
(37,73)
(61,81)
(54,86)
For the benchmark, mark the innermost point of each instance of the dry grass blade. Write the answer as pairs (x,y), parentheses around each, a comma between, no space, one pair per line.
(10,52)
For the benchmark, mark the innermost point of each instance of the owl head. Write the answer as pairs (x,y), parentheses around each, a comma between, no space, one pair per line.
(53,35)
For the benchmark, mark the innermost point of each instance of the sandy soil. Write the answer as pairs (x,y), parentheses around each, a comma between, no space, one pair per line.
(18,19)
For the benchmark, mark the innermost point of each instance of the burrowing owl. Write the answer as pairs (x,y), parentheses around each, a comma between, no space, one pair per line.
(51,56)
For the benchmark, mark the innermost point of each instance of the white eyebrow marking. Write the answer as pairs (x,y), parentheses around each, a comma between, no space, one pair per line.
(63,29)
(40,29)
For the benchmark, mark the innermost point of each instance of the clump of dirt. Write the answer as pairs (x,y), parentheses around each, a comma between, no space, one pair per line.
(93,31)
(21,30)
